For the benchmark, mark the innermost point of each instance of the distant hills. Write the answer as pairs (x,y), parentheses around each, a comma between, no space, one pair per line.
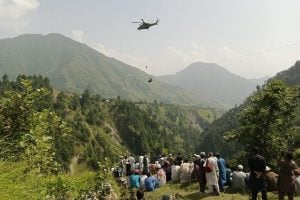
(213,83)
(73,66)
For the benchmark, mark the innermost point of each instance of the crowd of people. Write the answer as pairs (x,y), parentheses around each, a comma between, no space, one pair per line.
(212,173)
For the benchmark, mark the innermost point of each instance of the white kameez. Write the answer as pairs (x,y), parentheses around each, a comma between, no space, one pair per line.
(212,177)
(185,172)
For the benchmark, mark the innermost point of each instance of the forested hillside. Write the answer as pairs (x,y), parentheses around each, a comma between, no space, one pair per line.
(95,127)
(69,141)
(291,76)
(231,120)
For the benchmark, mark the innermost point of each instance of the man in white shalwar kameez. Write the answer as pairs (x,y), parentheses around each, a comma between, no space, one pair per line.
(132,163)
(185,172)
(212,177)
(141,159)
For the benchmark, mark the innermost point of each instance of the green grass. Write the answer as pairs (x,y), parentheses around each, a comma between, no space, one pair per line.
(191,193)
(15,185)
(207,114)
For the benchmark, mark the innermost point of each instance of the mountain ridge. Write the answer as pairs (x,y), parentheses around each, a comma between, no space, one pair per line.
(73,66)
(221,87)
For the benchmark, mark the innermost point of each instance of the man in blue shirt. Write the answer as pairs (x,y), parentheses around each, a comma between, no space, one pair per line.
(222,171)
(151,183)
(134,180)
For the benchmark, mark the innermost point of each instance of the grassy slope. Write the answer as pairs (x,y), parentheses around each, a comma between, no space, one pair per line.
(15,185)
(210,114)
(191,193)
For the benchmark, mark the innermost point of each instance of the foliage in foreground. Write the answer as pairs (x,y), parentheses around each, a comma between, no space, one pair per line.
(15,184)
(268,120)
(28,133)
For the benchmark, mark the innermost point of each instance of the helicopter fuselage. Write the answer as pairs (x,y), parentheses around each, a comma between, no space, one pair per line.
(145,26)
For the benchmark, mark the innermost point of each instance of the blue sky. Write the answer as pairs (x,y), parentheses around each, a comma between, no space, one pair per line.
(251,38)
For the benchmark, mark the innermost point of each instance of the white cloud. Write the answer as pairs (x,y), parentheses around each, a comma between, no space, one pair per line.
(16,9)
(124,57)
(260,62)
(185,57)
(263,62)
(78,35)
(13,14)
(197,46)
(257,63)
(199,53)
(226,52)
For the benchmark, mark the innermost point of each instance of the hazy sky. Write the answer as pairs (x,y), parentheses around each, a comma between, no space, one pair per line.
(251,38)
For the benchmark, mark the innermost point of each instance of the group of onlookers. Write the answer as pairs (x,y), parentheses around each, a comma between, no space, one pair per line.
(261,179)
(209,170)
(212,172)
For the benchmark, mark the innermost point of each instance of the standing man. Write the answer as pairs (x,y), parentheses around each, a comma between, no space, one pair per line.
(222,171)
(179,159)
(287,176)
(123,165)
(141,164)
(146,162)
(132,163)
(212,171)
(202,178)
(257,166)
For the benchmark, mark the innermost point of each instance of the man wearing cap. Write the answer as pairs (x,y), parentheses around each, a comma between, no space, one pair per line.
(238,178)
(170,159)
(271,180)
(161,175)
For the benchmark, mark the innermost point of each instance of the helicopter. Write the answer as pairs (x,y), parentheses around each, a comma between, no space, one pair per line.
(145,25)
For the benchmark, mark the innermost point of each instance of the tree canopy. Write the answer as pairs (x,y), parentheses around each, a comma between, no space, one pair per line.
(268,120)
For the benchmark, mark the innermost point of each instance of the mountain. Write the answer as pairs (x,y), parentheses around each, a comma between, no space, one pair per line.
(291,76)
(213,83)
(73,66)
(260,81)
